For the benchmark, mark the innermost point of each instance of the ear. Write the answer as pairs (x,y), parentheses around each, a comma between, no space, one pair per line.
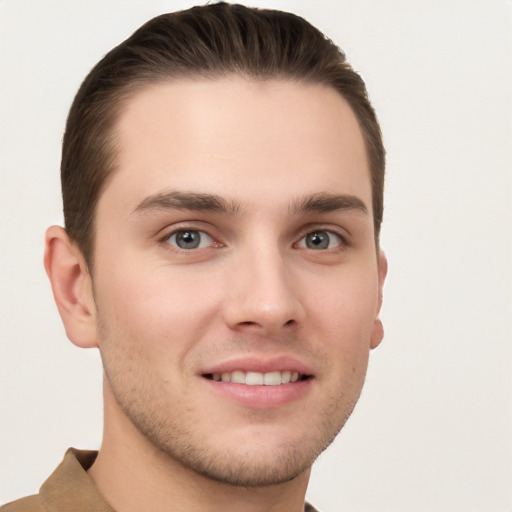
(72,287)
(378,329)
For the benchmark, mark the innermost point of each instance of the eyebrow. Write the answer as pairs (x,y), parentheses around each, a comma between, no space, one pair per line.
(180,200)
(325,203)
(196,201)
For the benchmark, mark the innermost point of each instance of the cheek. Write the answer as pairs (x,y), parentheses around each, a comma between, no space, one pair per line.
(350,302)
(161,306)
(348,311)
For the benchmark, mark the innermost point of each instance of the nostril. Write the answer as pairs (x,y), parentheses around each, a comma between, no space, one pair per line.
(250,323)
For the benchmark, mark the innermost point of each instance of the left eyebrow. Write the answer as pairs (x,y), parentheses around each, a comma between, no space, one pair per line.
(326,203)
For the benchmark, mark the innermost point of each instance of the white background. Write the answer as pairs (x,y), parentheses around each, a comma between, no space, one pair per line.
(433,430)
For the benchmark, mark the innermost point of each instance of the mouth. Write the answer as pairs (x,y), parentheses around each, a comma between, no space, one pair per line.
(260,381)
(252,378)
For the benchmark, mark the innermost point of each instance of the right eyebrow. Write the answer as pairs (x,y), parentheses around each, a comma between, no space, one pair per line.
(181,200)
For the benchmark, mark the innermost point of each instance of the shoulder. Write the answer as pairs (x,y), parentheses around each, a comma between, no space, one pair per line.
(28,504)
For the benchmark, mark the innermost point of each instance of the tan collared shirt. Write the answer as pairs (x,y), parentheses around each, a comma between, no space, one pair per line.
(69,489)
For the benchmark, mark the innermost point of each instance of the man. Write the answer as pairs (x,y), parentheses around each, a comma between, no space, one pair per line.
(222,179)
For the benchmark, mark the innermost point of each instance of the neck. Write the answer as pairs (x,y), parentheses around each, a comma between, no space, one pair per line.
(132,475)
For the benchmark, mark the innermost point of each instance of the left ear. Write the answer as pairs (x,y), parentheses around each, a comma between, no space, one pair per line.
(378,329)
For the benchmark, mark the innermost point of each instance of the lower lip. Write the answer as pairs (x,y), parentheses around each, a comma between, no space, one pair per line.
(261,397)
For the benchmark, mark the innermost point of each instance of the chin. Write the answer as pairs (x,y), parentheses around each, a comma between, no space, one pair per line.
(245,469)
(257,459)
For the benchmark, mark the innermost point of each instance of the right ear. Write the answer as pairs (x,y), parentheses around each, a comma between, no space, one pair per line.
(72,287)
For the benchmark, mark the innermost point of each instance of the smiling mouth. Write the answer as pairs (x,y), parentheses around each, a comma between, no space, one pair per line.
(258,378)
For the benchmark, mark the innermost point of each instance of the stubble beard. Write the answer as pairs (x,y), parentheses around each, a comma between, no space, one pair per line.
(141,399)
(235,465)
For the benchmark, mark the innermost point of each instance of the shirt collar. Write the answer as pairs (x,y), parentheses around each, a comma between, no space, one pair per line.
(70,488)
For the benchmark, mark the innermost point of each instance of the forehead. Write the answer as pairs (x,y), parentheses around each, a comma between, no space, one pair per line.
(234,135)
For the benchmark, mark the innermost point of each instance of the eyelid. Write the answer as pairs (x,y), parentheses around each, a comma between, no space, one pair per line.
(192,225)
(329,228)
(334,237)
(205,240)
(170,231)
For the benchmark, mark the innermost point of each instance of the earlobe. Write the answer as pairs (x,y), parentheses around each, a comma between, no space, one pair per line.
(378,328)
(72,287)
(377,334)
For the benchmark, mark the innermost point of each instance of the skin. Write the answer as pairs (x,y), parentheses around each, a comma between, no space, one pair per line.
(254,290)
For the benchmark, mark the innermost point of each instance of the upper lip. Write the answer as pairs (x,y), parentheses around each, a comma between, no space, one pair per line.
(260,364)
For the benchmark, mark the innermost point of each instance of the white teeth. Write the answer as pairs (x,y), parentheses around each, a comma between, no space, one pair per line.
(238,377)
(257,378)
(272,379)
(254,378)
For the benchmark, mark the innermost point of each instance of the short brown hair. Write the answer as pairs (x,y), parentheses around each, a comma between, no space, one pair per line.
(209,41)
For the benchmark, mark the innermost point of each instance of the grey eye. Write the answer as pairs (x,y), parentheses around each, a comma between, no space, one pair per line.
(319,240)
(190,239)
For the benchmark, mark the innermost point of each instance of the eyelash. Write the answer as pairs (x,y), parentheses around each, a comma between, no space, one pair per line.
(165,239)
(189,231)
(341,245)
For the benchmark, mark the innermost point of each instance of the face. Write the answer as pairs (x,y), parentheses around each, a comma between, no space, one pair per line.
(236,278)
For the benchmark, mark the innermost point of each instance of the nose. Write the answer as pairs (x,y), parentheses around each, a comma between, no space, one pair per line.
(262,294)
